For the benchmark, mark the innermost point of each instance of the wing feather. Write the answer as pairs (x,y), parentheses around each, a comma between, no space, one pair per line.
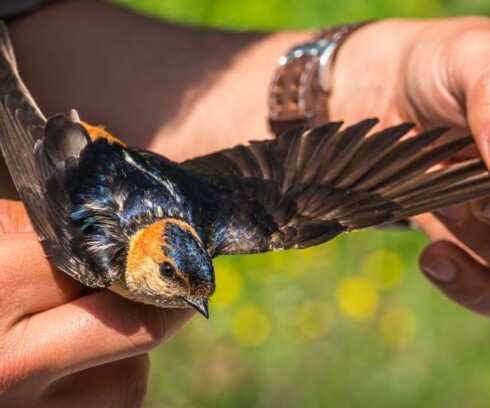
(325,181)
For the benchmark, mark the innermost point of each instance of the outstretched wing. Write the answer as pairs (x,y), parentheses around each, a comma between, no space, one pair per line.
(22,142)
(307,187)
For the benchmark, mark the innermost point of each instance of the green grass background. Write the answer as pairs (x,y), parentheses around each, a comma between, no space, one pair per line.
(351,323)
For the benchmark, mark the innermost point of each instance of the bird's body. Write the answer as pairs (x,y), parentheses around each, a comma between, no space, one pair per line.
(146,227)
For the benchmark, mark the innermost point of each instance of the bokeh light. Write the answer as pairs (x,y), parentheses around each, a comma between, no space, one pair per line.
(251,326)
(398,327)
(313,318)
(357,298)
(385,268)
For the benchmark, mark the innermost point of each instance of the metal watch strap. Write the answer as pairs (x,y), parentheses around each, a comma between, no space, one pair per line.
(301,84)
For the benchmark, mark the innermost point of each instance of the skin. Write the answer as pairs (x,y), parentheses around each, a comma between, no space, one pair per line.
(432,84)
(209,97)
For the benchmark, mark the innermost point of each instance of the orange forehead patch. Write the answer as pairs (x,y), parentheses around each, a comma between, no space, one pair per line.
(146,246)
(97,132)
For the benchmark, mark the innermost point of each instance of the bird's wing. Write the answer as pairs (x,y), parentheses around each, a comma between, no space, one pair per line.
(304,188)
(22,131)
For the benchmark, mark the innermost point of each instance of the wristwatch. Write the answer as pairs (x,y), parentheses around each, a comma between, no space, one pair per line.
(302,81)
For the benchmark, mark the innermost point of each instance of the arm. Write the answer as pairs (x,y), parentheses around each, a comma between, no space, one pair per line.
(179,90)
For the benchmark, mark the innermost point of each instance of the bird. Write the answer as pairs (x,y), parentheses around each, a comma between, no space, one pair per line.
(146,227)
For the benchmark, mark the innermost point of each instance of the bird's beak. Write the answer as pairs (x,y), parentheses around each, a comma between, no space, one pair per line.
(200,304)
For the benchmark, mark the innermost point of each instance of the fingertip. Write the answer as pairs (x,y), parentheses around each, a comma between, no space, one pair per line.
(456,274)
(436,264)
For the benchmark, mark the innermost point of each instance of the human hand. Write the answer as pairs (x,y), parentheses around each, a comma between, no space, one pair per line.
(433,73)
(457,262)
(62,343)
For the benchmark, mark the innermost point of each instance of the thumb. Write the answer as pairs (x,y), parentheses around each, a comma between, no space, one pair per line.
(457,275)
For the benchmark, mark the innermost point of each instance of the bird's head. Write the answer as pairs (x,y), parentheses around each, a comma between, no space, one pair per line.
(167,265)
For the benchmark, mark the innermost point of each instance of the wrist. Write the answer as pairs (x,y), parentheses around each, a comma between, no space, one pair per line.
(368,70)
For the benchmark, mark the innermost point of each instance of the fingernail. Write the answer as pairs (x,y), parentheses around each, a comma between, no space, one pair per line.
(442,269)
(454,213)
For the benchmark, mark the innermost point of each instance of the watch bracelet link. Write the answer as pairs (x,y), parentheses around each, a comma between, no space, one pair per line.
(302,81)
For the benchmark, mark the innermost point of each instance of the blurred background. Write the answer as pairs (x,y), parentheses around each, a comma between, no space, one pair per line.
(349,323)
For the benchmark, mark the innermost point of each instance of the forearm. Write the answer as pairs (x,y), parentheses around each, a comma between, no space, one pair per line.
(180,91)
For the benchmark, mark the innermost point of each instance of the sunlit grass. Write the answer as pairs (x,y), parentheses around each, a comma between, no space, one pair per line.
(278,14)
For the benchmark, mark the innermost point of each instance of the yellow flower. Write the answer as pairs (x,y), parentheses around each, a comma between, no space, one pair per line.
(357,298)
(251,326)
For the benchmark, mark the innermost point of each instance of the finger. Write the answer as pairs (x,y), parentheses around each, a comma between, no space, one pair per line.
(478,108)
(118,384)
(28,283)
(472,81)
(13,217)
(457,275)
(462,221)
(93,330)
(433,227)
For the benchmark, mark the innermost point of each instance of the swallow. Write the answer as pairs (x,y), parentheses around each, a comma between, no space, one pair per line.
(146,227)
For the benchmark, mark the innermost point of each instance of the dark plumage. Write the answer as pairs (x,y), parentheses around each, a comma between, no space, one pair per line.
(146,227)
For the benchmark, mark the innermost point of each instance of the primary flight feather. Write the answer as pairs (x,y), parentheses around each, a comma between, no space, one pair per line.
(147,228)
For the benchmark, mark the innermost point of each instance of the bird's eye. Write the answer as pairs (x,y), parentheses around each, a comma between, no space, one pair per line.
(167,270)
